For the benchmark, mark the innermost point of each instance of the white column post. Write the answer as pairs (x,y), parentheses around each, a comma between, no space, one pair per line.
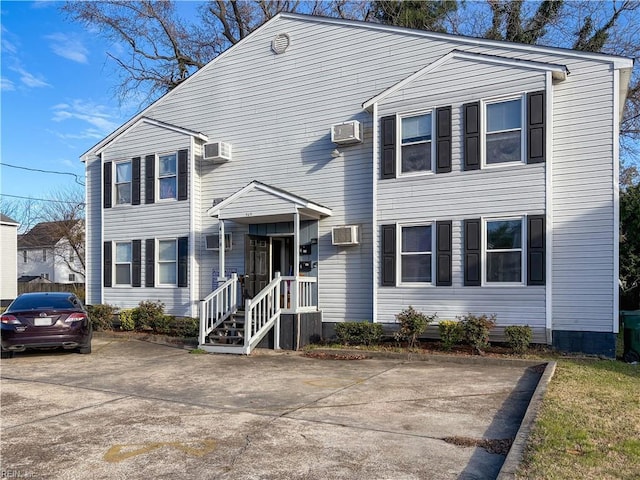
(221,251)
(276,310)
(296,260)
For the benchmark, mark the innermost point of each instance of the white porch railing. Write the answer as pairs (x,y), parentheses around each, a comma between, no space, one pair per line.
(218,306)
(261,313)
(299,294)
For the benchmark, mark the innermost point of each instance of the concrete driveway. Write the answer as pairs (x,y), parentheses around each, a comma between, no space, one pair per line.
(134,409)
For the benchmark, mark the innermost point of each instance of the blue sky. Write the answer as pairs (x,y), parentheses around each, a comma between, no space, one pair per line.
(56,97)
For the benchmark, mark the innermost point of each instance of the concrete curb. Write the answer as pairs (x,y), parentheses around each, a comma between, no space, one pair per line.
(516,452)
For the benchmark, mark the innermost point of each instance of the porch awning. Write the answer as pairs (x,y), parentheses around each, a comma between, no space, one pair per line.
(262,203)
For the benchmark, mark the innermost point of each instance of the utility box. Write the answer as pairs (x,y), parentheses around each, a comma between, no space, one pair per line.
(631,322)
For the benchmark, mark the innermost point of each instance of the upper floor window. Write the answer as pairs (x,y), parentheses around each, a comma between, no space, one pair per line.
(44,254)
(167,262)
(415,254)
(416,143)
(72,277)
(504,250)
(123,183)
(123,263)
(503,136)
(24,256)
(167,176)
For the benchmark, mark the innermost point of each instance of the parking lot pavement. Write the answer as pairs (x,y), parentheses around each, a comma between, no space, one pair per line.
(134,409)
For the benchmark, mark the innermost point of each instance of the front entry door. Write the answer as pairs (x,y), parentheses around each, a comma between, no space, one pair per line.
(256,261)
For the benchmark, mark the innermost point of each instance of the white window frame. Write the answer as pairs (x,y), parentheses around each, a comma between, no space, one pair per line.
(159,262)
(399,144)
(159,177)
(116,263)
(116,183)
(523,250)
(484,122)
(400,253)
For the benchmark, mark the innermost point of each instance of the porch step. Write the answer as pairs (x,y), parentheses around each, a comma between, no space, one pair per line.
(230,332)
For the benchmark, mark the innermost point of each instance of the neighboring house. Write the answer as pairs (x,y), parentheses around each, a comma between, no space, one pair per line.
(374,167)
(8,263)
(44,251)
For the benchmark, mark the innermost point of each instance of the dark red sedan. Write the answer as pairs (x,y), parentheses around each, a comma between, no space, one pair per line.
(45,320)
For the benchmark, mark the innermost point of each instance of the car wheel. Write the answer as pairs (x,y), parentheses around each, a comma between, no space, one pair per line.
(6,354)
(85,350)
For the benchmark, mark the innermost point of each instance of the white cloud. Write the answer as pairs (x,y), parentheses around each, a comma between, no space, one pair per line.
(6,84)
(69,47)
(29,79)
(100,121)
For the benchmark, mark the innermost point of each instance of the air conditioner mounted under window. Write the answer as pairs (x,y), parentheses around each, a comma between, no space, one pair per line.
(217,151)
(346,235)
(346,133)
(212,242)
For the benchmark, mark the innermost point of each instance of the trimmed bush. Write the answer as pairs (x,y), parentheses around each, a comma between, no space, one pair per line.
(475,330)
(359,333)
(126,320)
(450,333)
(412,324)
(147,314)
(183,326)
(518,337)
(101,316)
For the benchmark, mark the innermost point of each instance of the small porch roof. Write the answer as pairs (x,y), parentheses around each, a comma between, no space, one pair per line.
(258,202)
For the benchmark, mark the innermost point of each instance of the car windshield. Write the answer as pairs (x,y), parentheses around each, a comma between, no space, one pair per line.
(44,302)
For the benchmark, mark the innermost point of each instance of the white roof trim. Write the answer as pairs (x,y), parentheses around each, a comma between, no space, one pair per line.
(156,123)
(559,72)
(255,185)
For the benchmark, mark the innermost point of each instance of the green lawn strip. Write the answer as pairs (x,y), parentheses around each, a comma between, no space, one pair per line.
(589,423)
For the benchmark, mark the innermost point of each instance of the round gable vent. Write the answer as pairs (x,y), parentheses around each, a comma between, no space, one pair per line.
(280,43)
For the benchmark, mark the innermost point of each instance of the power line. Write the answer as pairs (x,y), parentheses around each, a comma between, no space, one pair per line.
(77,179)
(42,199)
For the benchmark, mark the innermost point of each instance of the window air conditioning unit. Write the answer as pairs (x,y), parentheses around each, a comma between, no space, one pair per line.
(212,242)
(217,151)
(346,133)
(347,235)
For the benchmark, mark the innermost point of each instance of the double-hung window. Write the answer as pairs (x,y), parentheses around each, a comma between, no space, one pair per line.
(503,131)
(167,262)
(416,254)
(415,156)
(504,250)
(123,263)
(167,176)
(123,183)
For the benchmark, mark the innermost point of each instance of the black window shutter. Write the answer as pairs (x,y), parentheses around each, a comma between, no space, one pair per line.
(443,253)
(536,240)
(388,164)
(183,174)
(388,255)
(472,253)
(107,264)
(136,263)
(535,127)
(150,262)
(443,140)
(183,261)
(149,179)
(106,186)
(472,136)
(135,181)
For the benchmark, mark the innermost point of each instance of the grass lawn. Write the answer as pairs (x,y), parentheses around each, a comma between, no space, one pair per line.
(589,424)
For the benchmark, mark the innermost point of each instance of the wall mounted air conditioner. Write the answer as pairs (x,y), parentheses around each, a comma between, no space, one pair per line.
(218,152)
(212,242)
(346,133)
(347,235)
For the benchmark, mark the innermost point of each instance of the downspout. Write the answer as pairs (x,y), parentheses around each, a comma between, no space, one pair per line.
(549,210)
(374,207)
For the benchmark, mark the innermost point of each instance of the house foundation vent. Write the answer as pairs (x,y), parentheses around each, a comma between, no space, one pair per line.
(280,43)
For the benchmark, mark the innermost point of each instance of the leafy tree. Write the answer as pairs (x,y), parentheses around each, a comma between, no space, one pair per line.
(415,14)
(630,248)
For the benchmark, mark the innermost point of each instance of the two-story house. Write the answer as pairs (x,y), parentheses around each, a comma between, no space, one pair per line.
(45,251)
(331,170)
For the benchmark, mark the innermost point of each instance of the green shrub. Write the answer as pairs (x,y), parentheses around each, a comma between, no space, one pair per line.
(450,333)
(412,324)
(475,330)
(147,313)
(518,337)
(161,324)
(183,326)
(359,333)
(101,316)
(126,320)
